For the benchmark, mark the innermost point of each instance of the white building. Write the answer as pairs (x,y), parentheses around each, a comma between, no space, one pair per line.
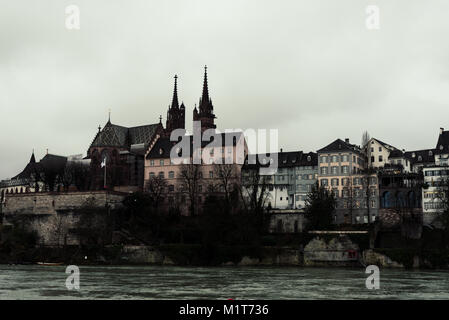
(433,204)
(377,153)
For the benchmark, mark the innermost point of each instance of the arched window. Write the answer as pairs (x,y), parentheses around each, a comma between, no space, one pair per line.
(386,200)
(401,201)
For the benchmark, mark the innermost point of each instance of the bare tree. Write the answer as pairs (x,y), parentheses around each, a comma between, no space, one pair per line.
(365,138)
(226,182)
(254,189)
(190,178)
(156,188)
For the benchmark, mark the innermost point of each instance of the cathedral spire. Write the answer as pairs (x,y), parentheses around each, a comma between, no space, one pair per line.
(205,112)
(205,97)
(175,114)
(175,103)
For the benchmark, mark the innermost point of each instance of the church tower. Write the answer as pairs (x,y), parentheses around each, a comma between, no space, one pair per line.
(205,114)
(175,113)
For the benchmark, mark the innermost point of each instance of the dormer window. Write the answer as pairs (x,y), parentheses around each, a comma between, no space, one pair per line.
(309,158)
(161,151)
(294,160)
(413,155)
(441,147)
(419,158)
(430,153)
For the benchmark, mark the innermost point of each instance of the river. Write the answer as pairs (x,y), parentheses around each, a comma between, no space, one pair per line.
(167,282)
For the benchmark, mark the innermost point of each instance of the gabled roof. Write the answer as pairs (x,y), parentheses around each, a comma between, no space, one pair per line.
(443,143)
(163,145)
(385,145)
(117,136)
(340,145)
(49,162)
(425,156)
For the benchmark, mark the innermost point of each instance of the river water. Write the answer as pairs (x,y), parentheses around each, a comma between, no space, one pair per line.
(166,282)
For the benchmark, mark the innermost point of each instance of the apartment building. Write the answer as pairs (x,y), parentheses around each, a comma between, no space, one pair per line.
(342,170)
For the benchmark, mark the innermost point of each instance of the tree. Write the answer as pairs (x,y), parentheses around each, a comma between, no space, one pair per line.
(156,188)
(227,183)
(254,189)
(365,138)
(190,176)
(320,204)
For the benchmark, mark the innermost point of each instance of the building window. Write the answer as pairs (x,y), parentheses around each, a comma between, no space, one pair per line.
(171,174)
(161,162)
(380,158)
(151,162)
(345,169)
(171,188)
(161,175)
(345,158)
(211,174)
(151,175)
(323,170)
(324,182)
(334,170)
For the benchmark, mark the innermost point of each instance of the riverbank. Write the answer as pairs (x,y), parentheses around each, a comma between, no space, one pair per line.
(201,256)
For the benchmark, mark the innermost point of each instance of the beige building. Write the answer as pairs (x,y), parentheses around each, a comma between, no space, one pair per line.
(218,170)
(377,153)
(342,170)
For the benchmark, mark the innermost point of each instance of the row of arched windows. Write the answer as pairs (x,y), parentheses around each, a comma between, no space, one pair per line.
(399,199)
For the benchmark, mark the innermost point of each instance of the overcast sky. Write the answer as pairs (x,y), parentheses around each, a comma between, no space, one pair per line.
(308,68)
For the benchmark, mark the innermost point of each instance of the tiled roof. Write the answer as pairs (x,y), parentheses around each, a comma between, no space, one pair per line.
(386,145)
(443,143)
(421,156)
(289,159)
(49,162)
(117,136)
(340,145)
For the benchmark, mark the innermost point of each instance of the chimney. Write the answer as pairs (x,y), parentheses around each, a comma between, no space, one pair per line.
(441,130)
(347,140)
(281,150)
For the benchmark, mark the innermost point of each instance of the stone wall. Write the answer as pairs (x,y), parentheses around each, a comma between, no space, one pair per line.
(52,215)
(370,257)
(51,203)
(337,251)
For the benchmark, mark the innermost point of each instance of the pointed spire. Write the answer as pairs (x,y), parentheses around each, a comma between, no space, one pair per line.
(205,96)
(33,159)
(174,103)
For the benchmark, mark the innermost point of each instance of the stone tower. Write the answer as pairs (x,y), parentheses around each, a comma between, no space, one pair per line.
(175,113)
(205,114)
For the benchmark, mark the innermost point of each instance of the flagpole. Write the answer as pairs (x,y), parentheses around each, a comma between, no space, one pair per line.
(105,164)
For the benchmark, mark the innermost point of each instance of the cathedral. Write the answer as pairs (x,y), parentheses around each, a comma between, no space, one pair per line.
(117,152)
